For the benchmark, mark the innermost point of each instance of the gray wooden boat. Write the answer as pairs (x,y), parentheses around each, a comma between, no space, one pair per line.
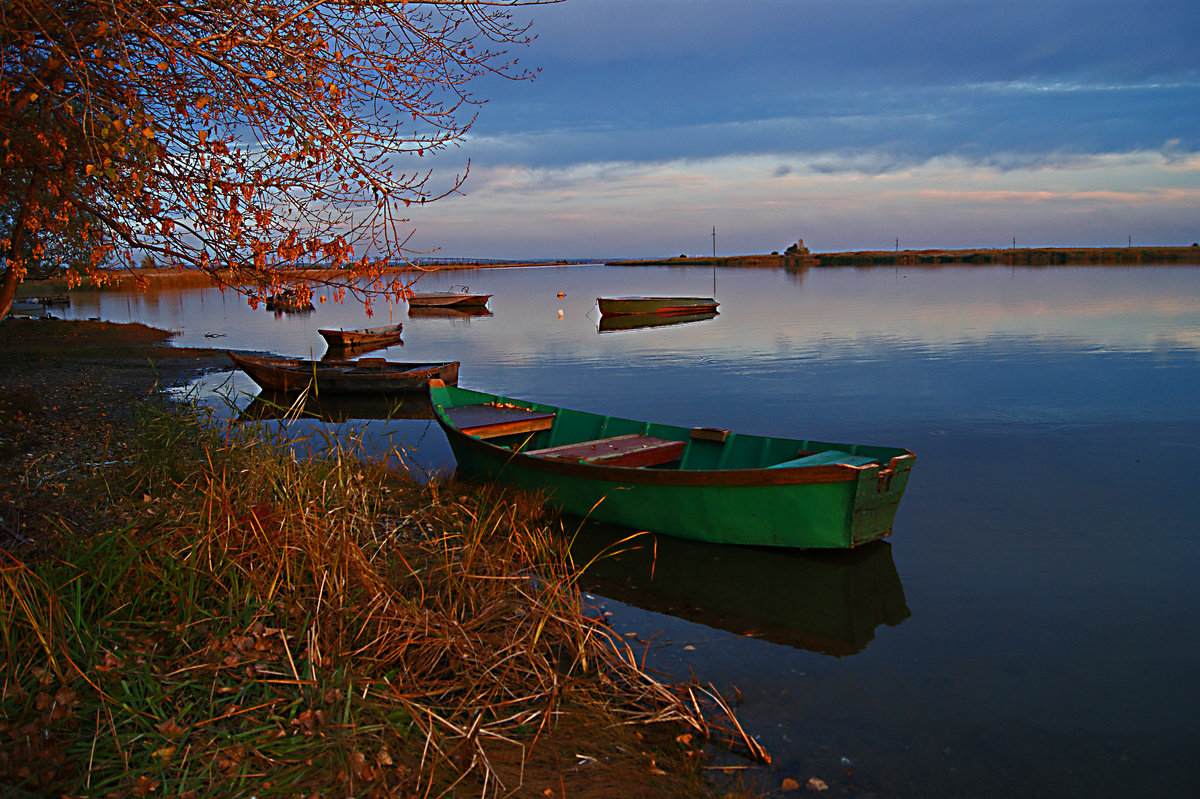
(364,376)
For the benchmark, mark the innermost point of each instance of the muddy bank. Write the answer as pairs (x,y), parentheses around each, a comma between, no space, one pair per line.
(67,392)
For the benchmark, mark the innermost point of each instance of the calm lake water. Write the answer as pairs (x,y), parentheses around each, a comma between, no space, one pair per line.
(1030,629)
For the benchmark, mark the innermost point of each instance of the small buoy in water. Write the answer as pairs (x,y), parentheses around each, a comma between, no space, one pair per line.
(560,313)
(562,294)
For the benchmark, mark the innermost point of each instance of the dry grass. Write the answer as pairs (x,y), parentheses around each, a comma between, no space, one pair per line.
(235,621)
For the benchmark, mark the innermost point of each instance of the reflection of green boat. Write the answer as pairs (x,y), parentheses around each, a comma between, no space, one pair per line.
(822,601)
(610,323)
(699,483)
(337,407)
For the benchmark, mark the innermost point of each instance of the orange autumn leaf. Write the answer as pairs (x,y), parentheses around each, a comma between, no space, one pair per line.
(169,727)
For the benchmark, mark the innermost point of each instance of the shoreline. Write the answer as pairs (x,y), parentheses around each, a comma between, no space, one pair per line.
(94,487)
(1022,256)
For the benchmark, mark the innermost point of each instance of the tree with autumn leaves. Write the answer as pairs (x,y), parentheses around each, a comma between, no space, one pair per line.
(237,137)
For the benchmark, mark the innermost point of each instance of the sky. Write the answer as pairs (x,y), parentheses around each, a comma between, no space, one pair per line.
(853,124)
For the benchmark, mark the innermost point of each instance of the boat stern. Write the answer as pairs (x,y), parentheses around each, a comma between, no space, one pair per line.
(877,498)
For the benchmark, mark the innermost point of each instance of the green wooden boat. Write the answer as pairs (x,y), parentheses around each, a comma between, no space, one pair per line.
(702,483)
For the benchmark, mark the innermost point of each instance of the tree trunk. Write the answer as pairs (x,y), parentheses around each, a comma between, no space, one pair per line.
(8,289)
(11,277)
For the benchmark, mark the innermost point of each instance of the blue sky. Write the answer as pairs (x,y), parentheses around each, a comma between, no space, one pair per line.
(850,123)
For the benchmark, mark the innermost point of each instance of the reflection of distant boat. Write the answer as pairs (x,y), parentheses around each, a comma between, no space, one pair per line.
(364,376)
(613,306)
(611,323)
(337,407)
(828,602)
(333,353)
(460,298)
(448,312)
(362,338)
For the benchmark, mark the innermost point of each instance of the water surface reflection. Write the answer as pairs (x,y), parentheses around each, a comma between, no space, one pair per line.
(1041,643)
(825,602)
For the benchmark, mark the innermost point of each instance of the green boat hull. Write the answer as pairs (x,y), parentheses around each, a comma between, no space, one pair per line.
(738,490)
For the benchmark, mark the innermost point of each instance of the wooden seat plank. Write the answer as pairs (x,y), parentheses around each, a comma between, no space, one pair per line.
(629,450)
(490,421)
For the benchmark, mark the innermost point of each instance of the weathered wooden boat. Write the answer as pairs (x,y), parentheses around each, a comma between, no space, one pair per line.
(56,299)
(610,323)
(38,305)
(288,301)
(364,376)
(456,297)
(26,306)
(615,306)
(701,483)
(362,337)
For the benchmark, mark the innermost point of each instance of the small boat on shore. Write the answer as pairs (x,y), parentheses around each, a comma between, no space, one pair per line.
(364,376)
(26,306)
(57,299)
(361,338)
(33,305)
(703,483)
(663,306)
(456,297)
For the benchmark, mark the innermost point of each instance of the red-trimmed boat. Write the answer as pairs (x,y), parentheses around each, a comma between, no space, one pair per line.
(701,483)
(663,306)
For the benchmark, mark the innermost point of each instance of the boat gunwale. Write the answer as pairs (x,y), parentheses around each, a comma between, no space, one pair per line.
(335,366)
(647,475)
